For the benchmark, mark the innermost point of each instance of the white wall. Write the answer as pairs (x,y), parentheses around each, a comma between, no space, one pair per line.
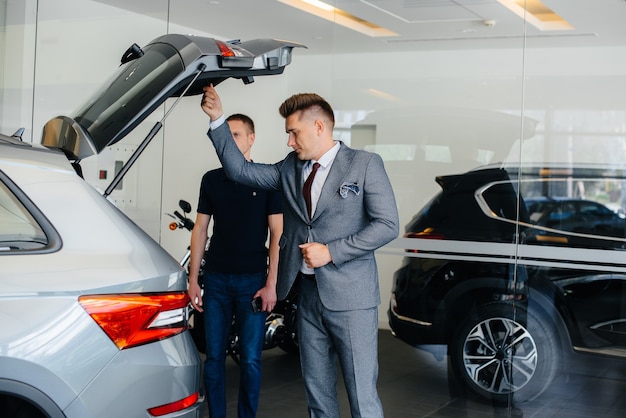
(17,57)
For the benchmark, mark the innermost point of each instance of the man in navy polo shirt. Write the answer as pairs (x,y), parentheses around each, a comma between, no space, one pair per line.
(236,271)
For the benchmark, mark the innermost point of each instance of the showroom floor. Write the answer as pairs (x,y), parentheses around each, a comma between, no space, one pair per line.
(412,383)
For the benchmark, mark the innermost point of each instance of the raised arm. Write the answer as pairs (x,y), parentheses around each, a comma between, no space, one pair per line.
(236,167)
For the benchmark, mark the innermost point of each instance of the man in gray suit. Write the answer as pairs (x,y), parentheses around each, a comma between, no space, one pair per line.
(330,251)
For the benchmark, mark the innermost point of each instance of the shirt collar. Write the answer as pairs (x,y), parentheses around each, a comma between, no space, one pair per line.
(328,158)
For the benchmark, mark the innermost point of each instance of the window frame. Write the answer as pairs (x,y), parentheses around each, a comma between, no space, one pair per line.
(54,242)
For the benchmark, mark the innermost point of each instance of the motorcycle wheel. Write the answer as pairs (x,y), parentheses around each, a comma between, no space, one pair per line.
(289,340)
(233,347)
(290,346)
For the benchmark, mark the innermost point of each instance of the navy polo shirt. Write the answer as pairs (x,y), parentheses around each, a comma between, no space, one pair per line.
(240,226)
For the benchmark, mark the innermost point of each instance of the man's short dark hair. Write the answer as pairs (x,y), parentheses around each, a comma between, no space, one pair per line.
(307,101)
(242,118)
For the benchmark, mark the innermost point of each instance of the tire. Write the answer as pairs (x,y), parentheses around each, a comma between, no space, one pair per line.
(288,312)
(14,407)
(289,340)
(290,345)
(233,347)
(503,352)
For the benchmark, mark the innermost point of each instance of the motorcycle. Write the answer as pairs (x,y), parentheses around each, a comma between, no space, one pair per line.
(280,324)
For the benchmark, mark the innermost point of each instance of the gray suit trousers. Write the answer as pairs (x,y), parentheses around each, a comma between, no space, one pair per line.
(350,337)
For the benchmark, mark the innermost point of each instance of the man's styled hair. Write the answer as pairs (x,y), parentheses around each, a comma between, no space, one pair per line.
(246,120)
(304,102)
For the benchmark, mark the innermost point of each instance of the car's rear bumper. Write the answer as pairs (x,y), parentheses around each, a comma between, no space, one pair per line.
(413,331)
(140,378)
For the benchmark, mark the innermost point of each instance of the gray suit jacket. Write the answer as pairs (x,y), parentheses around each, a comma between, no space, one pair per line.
(356,213)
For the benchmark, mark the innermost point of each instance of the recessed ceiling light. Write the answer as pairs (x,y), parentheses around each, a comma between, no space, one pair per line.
(320,4)
(326,11)
(537,14)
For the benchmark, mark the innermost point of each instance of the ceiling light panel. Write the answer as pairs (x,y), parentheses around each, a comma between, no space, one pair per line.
(420,11)
(537,14)
(341,17)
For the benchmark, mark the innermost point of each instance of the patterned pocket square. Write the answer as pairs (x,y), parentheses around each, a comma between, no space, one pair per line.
(343,190)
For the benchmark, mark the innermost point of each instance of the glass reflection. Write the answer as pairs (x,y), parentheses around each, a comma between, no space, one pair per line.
(456,95)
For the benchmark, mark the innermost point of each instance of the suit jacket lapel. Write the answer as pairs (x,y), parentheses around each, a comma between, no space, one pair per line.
(295,184)
(338,171)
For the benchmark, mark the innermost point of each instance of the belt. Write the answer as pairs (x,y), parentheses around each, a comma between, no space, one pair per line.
(308,276)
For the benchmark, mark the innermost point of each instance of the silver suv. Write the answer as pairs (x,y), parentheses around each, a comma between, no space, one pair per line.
(93,312)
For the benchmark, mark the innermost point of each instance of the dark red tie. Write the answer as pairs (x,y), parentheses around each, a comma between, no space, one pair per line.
(306,190)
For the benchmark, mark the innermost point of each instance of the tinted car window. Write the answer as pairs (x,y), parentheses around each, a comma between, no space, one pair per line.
(112,107)
(456,214)
(558,220)
(18,228)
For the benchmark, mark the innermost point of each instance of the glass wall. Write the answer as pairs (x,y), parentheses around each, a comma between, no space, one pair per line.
(55,55)
(503,131)
(17,50)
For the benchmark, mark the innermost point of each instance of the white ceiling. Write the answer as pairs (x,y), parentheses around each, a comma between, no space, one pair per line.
(421,24)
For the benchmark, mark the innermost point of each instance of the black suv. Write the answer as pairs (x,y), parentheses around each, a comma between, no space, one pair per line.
(504,269)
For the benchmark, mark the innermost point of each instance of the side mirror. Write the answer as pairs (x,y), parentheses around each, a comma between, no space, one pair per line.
(184,205)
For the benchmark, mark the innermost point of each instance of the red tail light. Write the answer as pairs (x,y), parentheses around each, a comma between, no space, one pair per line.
(427,233)
(135,319)
(174,406)
(225,50)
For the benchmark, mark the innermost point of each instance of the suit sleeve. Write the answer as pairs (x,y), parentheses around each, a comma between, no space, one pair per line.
(382,222)
(236,167)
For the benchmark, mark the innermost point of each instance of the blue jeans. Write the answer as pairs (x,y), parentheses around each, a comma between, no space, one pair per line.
(226,295)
